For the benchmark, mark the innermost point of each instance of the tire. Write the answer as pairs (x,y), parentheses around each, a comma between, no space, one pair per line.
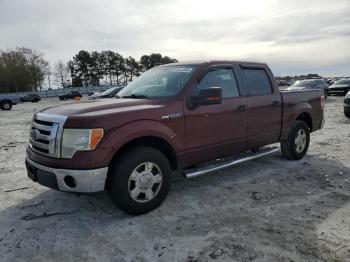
(128,174)
(6,105)
(347,112)
(297,144)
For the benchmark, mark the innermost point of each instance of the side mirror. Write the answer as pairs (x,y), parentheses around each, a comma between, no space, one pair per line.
(209,96)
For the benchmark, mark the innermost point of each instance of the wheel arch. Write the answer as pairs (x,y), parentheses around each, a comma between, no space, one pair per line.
(5,100)
(306,117)
(151,141)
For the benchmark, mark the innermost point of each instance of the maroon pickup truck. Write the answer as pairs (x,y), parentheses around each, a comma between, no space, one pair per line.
(182,116)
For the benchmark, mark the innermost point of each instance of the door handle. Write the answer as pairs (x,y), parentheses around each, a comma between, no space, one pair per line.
(276,103)
(241,108)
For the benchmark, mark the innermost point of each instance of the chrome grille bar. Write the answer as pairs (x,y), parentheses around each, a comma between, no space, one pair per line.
(41,127)
(45,134)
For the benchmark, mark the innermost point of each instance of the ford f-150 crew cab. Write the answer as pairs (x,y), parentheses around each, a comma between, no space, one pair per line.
(181,116)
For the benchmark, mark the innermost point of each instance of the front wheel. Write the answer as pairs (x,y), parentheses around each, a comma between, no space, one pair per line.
(347,111)
(297,143)
(139,180)
(6,105)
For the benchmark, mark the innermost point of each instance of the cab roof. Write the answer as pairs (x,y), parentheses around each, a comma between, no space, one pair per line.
(214,62)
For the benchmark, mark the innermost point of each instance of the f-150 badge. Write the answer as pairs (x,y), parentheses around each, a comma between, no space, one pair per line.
(172,116)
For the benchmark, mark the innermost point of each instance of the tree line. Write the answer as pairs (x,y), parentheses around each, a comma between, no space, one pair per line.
(90,68)
(24,69)
(298,77)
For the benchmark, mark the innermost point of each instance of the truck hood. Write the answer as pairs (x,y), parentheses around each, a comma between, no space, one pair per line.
(96,107)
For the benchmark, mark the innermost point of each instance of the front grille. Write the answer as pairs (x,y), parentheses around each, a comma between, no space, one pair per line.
(45,134)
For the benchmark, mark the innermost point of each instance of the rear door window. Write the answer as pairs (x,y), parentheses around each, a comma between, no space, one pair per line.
(258,81)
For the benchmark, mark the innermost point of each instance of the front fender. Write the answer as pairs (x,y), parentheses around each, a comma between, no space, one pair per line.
(118,137)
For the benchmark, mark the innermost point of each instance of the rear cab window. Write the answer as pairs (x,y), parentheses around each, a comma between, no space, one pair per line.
(258,82)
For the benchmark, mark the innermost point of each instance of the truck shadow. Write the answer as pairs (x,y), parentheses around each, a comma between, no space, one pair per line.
(269,208)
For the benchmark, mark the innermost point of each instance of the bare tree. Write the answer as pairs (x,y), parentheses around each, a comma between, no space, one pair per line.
(36,66)
(61,73)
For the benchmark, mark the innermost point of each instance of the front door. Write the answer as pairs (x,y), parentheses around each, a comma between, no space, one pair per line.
(220,129)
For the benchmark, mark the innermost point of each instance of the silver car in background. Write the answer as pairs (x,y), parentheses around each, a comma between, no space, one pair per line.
(311,84)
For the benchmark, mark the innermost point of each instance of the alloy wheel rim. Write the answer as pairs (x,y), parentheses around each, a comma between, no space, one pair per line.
(145,182)
(300,141)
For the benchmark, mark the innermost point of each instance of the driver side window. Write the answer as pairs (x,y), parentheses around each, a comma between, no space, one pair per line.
(223,78)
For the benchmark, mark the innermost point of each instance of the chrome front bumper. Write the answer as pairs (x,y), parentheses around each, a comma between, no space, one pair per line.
(82,181)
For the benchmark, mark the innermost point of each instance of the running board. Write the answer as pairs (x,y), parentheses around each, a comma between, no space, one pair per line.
(212,167)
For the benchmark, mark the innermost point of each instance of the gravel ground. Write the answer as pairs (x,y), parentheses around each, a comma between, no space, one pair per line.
(267,210)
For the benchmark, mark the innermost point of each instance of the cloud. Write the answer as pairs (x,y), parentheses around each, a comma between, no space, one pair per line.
(304,34)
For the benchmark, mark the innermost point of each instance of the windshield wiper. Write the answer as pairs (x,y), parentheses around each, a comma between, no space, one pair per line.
(136,96)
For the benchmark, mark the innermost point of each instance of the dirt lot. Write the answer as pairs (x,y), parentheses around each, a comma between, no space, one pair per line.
(267,210)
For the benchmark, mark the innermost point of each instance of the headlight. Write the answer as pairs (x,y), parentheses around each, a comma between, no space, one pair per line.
(74,140)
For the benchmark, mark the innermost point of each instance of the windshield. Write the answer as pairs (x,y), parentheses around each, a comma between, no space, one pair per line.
(304,84)
(109,91)
(158,82)
(343,82)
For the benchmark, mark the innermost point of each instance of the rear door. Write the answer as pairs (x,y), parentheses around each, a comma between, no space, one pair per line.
(221,129)
(264,106)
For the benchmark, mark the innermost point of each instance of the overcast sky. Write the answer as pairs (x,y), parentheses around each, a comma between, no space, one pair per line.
(293,36)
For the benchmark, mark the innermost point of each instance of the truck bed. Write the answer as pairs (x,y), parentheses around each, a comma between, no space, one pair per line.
(294,101)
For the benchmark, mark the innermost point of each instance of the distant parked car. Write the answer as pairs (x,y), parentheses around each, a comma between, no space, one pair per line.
(107,94)
(311,84)
(70,95)
(341,86)
(31,98)
(330,81)
(7,101)
(281,82)
(347,105)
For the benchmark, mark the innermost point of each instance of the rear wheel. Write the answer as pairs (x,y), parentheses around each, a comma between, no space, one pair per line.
(6,105)
(140,180)
(297,144)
